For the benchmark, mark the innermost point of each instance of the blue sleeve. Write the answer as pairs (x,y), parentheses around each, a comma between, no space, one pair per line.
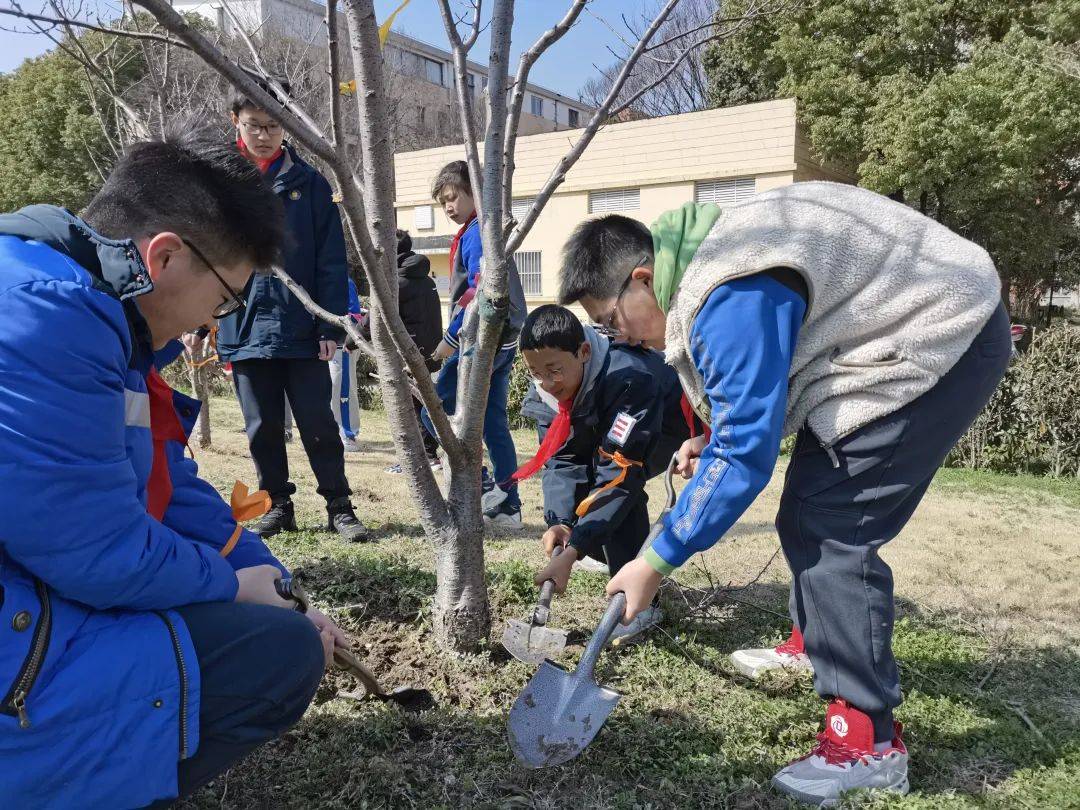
(72,512)
(472,250)
(198,512)
(354,299)
(742,343)
(331,267)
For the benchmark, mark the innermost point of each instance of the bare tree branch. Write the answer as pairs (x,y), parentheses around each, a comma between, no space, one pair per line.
(100,27)
(513,117)
(557,176)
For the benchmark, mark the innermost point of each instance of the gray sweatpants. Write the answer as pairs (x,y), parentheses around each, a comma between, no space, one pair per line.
(837,511)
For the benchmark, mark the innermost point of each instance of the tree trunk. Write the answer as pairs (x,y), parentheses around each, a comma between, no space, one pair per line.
(461,613)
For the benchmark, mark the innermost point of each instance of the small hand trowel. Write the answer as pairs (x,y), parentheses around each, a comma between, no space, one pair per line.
(533,641)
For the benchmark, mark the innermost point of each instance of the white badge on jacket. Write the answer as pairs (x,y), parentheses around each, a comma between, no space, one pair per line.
(620,428)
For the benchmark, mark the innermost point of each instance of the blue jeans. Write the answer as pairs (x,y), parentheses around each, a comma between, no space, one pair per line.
(500,444)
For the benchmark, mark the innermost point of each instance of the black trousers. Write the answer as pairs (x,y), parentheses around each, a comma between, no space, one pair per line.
(261,386)
(259,667)
(624,541)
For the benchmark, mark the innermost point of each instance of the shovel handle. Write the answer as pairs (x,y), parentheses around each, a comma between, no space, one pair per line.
(615,609)
(547,591)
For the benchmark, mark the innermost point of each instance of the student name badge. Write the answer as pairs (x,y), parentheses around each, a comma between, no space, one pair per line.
(620,428)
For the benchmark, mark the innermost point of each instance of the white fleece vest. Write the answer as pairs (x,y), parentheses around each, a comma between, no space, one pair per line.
(894,299)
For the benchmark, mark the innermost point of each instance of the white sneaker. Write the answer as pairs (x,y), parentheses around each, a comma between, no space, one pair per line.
(649,617)
(503,518)
(591,565)
(789,655)
(844,759)
(491,499)
(350,444)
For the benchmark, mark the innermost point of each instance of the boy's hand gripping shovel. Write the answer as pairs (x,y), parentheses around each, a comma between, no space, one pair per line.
(533,641)
(410,699)
(558,713)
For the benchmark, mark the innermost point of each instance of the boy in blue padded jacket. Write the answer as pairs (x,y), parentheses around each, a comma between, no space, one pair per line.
(143,646)
(609,417)
(873,332)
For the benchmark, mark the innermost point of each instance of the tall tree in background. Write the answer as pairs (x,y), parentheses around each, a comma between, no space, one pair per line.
(963,108)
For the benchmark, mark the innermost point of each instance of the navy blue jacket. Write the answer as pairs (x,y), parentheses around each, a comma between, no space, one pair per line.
(630,405)
(275,324)
(99,682)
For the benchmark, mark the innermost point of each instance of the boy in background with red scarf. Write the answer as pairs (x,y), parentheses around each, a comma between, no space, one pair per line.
(453,191)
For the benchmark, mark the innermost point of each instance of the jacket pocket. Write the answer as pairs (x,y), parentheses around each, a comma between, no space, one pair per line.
(14,702)
(879,357)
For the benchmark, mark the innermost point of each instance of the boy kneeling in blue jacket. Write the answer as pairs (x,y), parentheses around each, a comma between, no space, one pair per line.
(143,646)
(609,418)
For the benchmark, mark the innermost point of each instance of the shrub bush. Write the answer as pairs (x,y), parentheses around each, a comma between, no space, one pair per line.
(1032,423)
(519,387)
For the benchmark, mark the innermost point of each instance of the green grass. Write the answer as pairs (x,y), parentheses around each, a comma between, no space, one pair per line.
(688,732)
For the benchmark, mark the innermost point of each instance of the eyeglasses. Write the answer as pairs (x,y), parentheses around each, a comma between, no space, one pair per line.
(606,326)
(555,376)
(251,128)
(234,302)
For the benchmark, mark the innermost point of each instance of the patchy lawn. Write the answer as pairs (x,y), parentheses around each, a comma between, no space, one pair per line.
(987,640)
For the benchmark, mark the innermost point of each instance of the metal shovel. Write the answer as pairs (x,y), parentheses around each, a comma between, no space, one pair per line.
(559,712)
(410,699)
(533,641)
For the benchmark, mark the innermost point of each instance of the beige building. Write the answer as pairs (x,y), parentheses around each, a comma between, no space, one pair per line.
(640,168)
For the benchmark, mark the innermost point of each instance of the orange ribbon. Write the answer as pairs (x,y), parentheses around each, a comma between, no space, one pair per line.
(623,463)
(245,506)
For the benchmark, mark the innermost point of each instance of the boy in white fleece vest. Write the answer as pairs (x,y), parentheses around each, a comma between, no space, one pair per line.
(870,330)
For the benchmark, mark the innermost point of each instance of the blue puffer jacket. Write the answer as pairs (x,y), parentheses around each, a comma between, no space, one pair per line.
(99,684)
(274,324)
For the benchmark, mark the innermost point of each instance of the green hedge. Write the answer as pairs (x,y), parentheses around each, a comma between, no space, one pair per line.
(1032,423)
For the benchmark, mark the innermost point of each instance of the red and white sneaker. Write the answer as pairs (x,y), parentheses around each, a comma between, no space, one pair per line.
(845,759)
(789,655)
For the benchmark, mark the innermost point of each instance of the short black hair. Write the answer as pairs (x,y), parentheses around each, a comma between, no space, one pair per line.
(197,186)
(551,327)
(404,241)
(240,101)
(456,174)
(599,254)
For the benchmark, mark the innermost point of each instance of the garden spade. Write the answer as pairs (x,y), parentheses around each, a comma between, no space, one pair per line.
(533,641)
(559,712)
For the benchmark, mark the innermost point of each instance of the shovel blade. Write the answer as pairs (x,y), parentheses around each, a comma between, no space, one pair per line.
(556,716)
(532,644)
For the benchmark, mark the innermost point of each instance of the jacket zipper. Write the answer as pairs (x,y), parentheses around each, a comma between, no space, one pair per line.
(183,681)
(15,701)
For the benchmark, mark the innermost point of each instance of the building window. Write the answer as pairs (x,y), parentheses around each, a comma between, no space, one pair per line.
(472,84)
(618,199)
(520,207)
(724,192)
(528,265)
(572,118)
(424,217)
(433,71)
(537,105)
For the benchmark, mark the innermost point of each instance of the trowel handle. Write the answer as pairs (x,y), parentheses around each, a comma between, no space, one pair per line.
(614,613)
(547,590)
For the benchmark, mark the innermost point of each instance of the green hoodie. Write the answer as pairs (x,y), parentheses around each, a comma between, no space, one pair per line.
(677,235)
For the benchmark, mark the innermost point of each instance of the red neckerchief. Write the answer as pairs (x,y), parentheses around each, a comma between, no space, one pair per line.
(164,426)
(556,437)
(264,164)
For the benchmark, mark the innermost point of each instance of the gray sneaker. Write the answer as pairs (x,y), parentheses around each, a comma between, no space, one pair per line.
(844,759)
(281,517)
(342,519)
